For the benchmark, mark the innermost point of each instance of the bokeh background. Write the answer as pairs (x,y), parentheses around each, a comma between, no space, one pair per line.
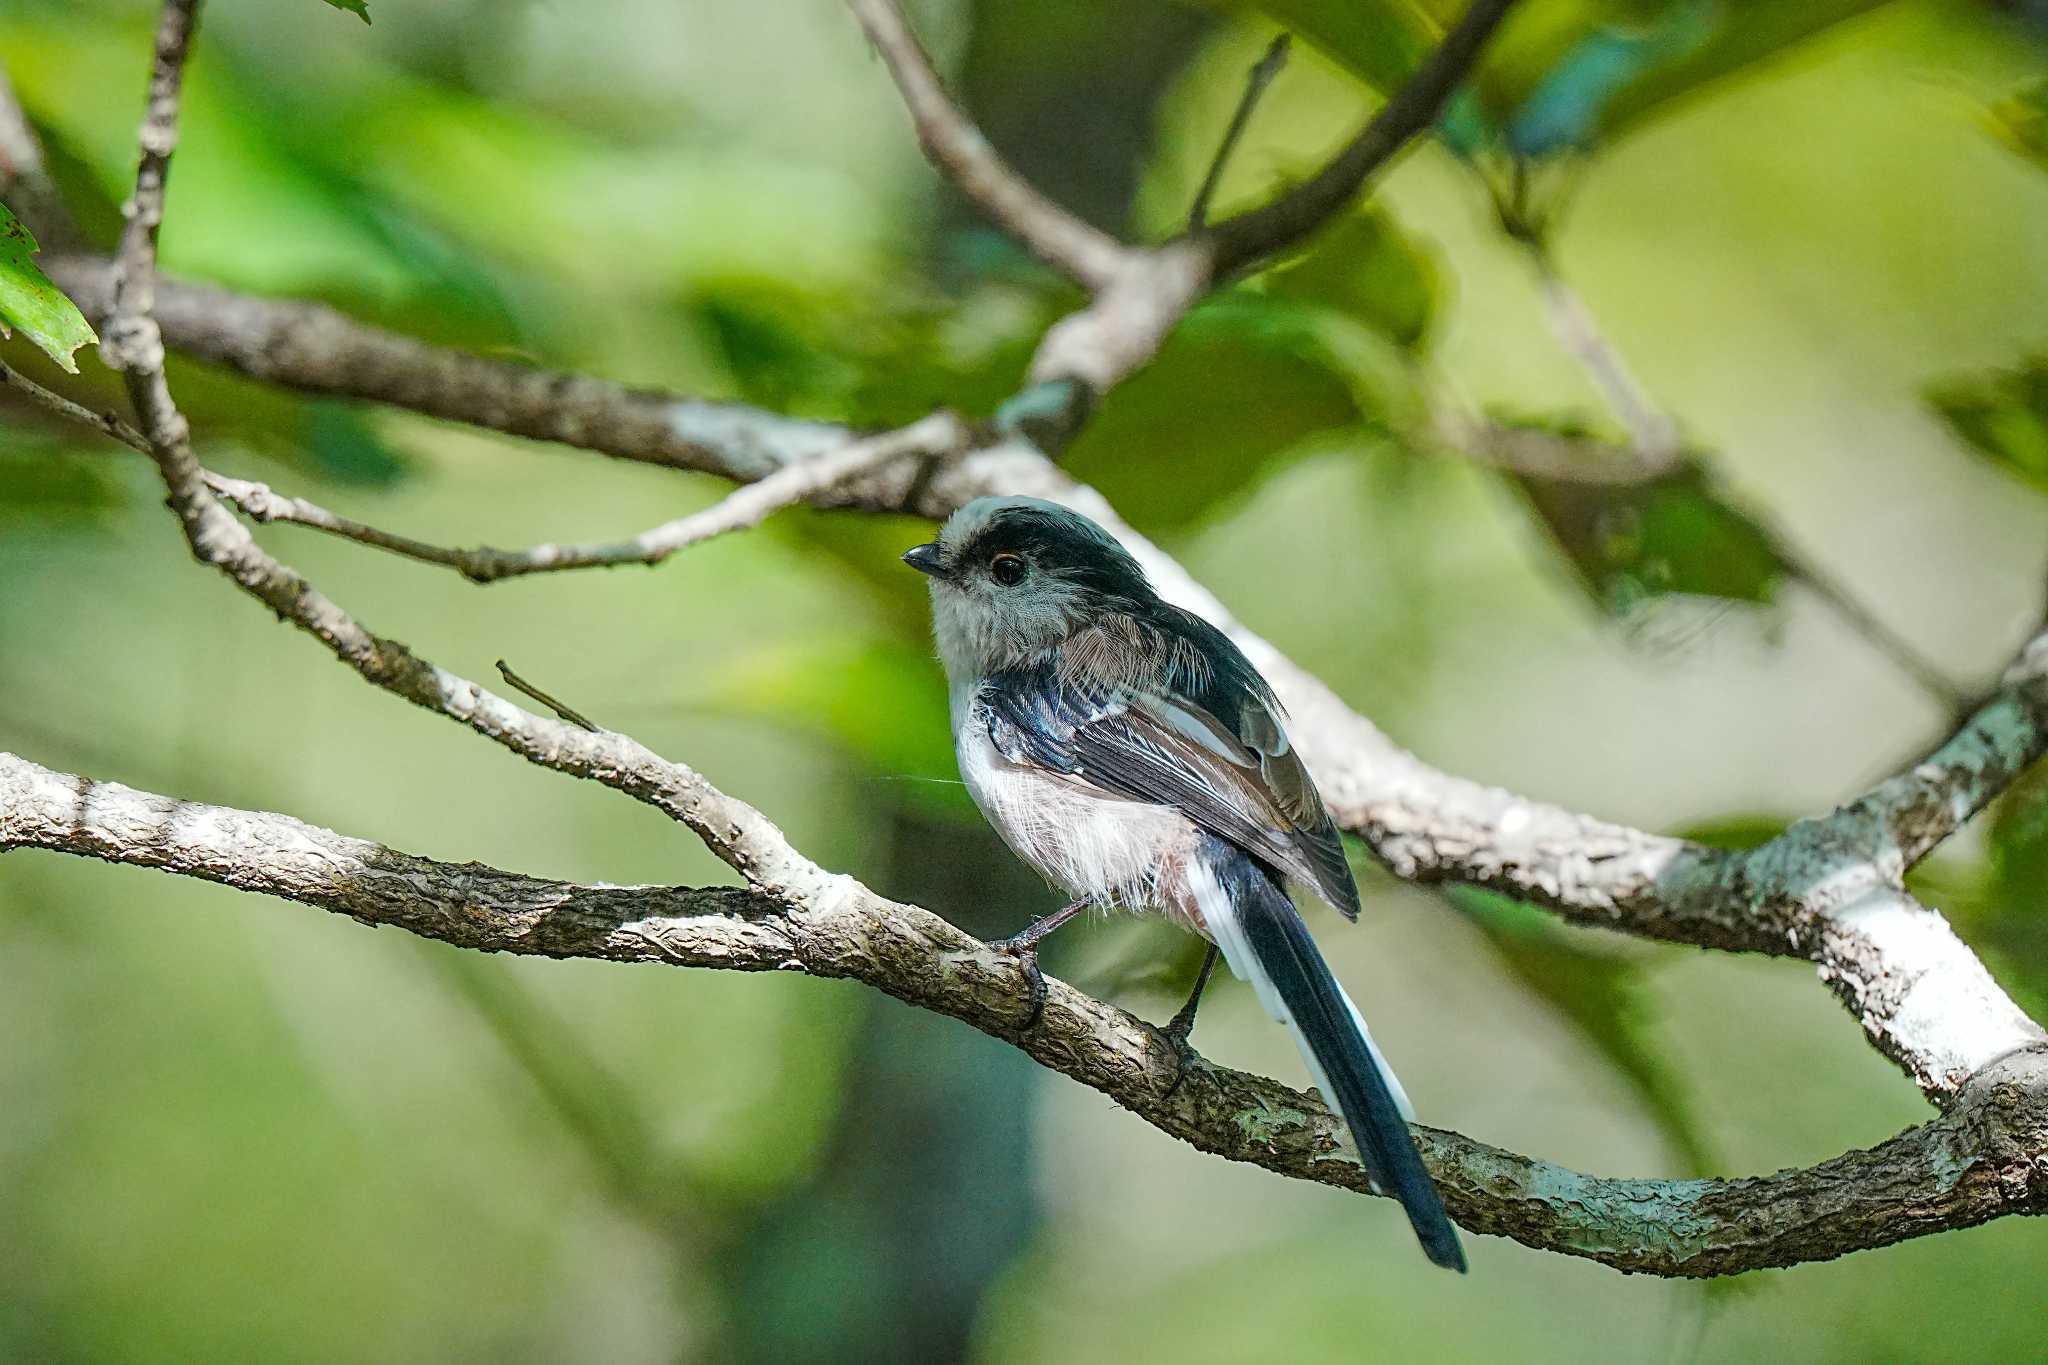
(234,1129)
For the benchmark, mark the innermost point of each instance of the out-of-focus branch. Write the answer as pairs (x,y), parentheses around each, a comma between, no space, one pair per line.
(1986,1158)
(1650,429)
(314,349)
(1085,254)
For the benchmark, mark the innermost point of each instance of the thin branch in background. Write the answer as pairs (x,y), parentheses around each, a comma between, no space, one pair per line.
(952,142)
(263,503)
(1261,75)
(566,712)
(1650,429)
(1258,233)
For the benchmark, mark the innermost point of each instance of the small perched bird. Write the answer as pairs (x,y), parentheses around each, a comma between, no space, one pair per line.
(1129,752)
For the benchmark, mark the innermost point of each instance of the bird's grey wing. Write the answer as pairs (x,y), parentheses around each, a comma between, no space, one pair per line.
(1241,782)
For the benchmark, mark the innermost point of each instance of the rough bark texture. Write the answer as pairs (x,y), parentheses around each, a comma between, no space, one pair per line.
(1985,1158)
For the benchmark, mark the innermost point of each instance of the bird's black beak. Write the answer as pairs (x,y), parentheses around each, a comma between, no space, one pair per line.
(925,559)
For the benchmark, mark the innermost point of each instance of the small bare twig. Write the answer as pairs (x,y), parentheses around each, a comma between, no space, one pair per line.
(1261,75)
(1085,254)
(566,712)
(746,506)
(103,422)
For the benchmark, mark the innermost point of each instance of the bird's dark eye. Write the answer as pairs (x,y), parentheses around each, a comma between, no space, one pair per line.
(1007,570)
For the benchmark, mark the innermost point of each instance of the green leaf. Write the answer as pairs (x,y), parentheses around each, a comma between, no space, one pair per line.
(1603,994)
(29,301)
(1363,265)
(359,8)
(1247,379)
(1631,543)
(2002,416)
(2021,122)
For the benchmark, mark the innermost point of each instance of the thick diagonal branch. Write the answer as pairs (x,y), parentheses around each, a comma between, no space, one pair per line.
(1987,1158)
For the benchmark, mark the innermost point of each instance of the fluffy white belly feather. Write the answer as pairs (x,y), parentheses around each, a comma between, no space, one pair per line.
(1129,854)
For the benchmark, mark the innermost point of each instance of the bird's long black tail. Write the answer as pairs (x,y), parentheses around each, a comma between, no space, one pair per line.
(1266,943)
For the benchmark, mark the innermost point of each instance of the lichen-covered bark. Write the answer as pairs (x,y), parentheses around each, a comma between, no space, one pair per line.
(1986,1157)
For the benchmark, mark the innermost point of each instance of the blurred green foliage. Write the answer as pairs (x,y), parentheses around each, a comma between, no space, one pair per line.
(237,1130)
(2003,416)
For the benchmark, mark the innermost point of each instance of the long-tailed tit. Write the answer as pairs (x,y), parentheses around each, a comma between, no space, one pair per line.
(1129,752)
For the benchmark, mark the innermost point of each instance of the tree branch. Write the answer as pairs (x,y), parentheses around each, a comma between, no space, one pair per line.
(1987,1158)
(957,148)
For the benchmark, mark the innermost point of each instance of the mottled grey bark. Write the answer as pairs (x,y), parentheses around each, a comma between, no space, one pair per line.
(1986,1157)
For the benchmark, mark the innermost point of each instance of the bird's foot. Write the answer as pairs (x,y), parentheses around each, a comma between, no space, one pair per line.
(1026,956)
(1023,946)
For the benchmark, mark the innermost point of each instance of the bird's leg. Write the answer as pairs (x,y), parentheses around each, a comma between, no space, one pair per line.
(1023,945)
(1183,1022)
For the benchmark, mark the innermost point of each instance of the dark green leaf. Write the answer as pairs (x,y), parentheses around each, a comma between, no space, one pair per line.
(359,8)
(1247,378)
(29,301)
(2003,416)
(1668,535)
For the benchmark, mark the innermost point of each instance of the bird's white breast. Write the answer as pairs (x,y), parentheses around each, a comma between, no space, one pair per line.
(1109,850)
